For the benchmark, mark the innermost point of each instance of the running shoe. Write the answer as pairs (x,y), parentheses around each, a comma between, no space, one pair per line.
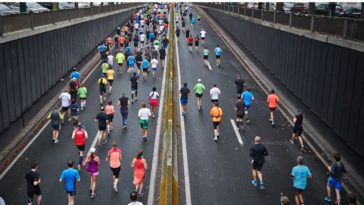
(261,186)
(292,142)
(328,199)
(254,183)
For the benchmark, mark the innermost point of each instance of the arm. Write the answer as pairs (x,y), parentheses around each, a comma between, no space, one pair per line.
(73,134)
(86,135)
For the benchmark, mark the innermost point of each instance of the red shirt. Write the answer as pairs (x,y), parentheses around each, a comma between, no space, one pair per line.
(80,136)
(190,39)
(109,40)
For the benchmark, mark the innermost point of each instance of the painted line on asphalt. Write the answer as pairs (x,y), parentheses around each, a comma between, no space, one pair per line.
(208,64)
(183,133)
(236,130)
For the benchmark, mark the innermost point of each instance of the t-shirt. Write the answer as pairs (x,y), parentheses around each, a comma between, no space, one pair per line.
(216,113)
(144,113)
(135,203)
(55,117)
(110,59)
(69,176)
(240,106)
(102,83)
(131,60)
(214,93)
(203,34)
(76,75)
(247,97)
(300,174)
(32,176)
(109,109)
(337,171)
(74,109)
(101,117)
(154,63)
(162,53)
(124,102)
(153,95)
(82,92)
(134,82)
(65,99)
(114,155)
(199,88)
(145,64)
(258,152)
(205,52)
(239,84)
(110,74)
(184,92)
(102,48)
(142,37)
(272,100)
(218,51)
(104,67)
(299,121)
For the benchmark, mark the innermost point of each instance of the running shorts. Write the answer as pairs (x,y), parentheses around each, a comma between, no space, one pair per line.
(153,102)
(31,195)
(184,101)
(258,165)
(215,124)
(71,193)
(102,128)
(81,147)
(299,190)
(102,91)
(189,44)
(110,82)
(334,183)
(214,100)
(217,56)
(115,171)
(297,131)
(55,126)
(199,95)
(272,108)
(64,109)
(110,117)
(202,38)
(205,57)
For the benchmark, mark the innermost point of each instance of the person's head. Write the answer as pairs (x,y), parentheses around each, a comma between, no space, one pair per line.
(214,85)
(272,91)
(73,101)
(248,89)
(300,160)
(102,108)
(109,103)
(74,69)
(134,74)
(56,109)
(140,154)
(238,76)
(144,105)
(34,165)
(154,89)
(199,80)
(114,145)
(257,140)
(93,152)
(217,46)
(185,84)
(79,125)
(70,164)
(337,157)
(122,94)
(351,199)
(133,196)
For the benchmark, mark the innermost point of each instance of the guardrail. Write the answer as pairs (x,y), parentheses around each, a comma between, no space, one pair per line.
(346,28)
(31,20)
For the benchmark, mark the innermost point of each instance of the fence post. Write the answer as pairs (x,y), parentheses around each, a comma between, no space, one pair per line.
(1,26)
(31,20)
(312,27)
(253,13)
(53,17)
(274,16)
(238,10)
(345,29)
(244,11)
(290,20)
(262,14)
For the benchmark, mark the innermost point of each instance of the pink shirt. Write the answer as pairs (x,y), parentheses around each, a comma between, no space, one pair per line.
(114,155)
(109,109)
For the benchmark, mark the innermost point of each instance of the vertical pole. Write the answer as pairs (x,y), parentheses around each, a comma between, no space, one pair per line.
(1,26)
(244,11)
(53,17)
(262,14)
(290,20)
(345,29)
(274,16)
(312,23)
(253,13)
(31,20)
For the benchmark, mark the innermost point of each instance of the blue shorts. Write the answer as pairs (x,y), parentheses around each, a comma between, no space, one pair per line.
(247,107)
(334,183)
(184,101)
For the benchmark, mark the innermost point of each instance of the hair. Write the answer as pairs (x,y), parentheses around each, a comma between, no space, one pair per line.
(144,105)
(123,94)
(154,89)
(300,160)
(140,154)
(114,144)
(217,46)
(102,108)
(257,139)
(248,88)
(337,157)
(133,196)
(70,163)
(74,69)
(272,91)
(109,103)
(34,165)
(216,104)
(215,85)
(185,84)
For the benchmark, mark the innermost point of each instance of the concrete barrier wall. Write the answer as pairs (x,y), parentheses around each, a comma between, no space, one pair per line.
(329,79)
(30,66)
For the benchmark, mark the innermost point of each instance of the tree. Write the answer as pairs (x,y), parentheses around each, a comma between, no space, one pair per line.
(279,6)
(311,8)
(260,5)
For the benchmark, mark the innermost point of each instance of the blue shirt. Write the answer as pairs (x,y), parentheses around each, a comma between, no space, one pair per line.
(76,75)
(248,97)
(193,20)
(131,60)
(145,63)
(69,176)
(151,35)
(129,49)
(74,109)
(102,48)
(300,174)
(218,51)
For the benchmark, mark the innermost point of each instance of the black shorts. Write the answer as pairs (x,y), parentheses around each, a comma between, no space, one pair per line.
(55,126)
(205,57)
(239,91)
(64,109)
(297,131)
(202,38)
(115,172)
(110,117)
(217,57)
(120,64)
(240,116)
(82,98)
(162,58)
(71,193)
(110,82)
(31,195)
(189,44)
(81,147)
(215,124)
(199,95)
(298,190)
(272,108)
(102,91)
(102,128)
(213,101)
(258,165)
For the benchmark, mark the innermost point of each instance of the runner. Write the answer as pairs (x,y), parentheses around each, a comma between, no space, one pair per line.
(73,87)
(257,152)
(187,33)
(139,60)
(120,58)
(114,156)
(248,99)
(215,93)
(185,92)
(190,43)
(110,78)
(140,166)
(178,32)
(110,59)
(102,82)
(109,110)
(133,198)
(297,129)
(193,22)
(199,89)
(92,164)
(104,67)
(65,98)
(239,107)
(142,39)
(102,50)
(101,118)
(300,174)
(337,170)
(205,53)
(82,94)
(162,56)
(218,52)
(70,176)
(239,82)
(153,101)
(144,114)
(197,42)
(203,35)
(108,43)
(122,42)
(75,74)
(134,88)
(216,114)
(183,24)
(79,135)
(165,42)
(56,119)
(145,67)
(198,19)
(154,66)
(74,111)
(136,42)
(124,106)
(272,101)
(33,181)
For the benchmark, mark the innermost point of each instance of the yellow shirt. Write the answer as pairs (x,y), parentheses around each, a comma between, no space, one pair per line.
(110,74)
(216,113)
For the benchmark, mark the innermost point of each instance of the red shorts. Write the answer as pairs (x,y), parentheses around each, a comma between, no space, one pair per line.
(153,102)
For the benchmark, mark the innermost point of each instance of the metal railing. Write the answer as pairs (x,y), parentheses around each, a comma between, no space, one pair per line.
(346,28)
(17,22)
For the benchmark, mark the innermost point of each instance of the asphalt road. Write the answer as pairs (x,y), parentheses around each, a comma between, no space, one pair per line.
(220,172)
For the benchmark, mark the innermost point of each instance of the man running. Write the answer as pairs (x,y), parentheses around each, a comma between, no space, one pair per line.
(215,93)
(248,98)
(337,170)
(153,101)
(190,43)
(104,67)
(272,101)
(162,56)
(133,198)
(65,98)
(300,174)
(199,90)
(145,67)
(197,42)
(185,92)
(216,117)
(239,107)
(124,107)
(120,58)
(203,35)
(101,118)
(79,135)
(56,119)
(110,59)
(82,94)
(33,181)
(74,111)
(218,52)
(134,88)
(297,129)
(114,156)
(205,53)
(102,82)
(239,82)
(131,62)
(110,78)
(70,176)
(154,66)
(257,152)
(144,113)
(75,74)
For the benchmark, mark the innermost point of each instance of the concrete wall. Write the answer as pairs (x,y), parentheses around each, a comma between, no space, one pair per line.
(329,79)
(30,66)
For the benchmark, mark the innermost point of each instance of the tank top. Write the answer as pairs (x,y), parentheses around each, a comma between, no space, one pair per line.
(79,137)
(138,164)
(93,167)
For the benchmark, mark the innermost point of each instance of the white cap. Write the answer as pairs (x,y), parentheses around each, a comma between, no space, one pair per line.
(199,80)
(92,150)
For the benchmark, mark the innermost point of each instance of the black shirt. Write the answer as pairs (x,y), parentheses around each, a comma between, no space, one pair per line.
(124,102)
(337,170)
(134,82)
(240,107)
(154,54)
(101,117)
(162,53)
(258,152)
(299,120)
(239,84)
(184,92)
(32,176)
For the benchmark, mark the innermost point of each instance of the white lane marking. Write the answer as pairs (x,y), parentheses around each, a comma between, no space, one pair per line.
(37,135)
(236,130)
(183,133)
(153,175)
(208,64)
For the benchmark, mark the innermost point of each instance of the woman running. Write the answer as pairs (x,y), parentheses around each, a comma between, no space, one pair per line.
(140,166)
(110,110)
(197,42)
(92,164)
(114,156)
(153,100)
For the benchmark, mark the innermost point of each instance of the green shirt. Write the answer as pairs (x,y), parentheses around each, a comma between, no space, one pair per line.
(120,58)
(82,92)
(199,88)
(156,43)
(104,67)
(205,52)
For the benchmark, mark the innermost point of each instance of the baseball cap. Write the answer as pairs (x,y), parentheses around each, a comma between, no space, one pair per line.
(199,80)
(93,150)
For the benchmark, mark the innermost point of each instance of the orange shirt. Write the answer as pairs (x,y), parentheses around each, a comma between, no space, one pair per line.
(272,100)
(109,109)
(114,155)
(122,40)
(216,113)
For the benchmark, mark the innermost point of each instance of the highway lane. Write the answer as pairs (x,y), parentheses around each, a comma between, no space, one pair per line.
(220,172)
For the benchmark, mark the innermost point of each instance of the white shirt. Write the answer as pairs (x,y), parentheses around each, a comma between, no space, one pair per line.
(154,95)
(65,99)
(154,63)
(161,27)
(142,37)
(141,21)
(135,203)
(136,26)
(160,21)
(203,33)
(144,113)
(110,60)
(214,93)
